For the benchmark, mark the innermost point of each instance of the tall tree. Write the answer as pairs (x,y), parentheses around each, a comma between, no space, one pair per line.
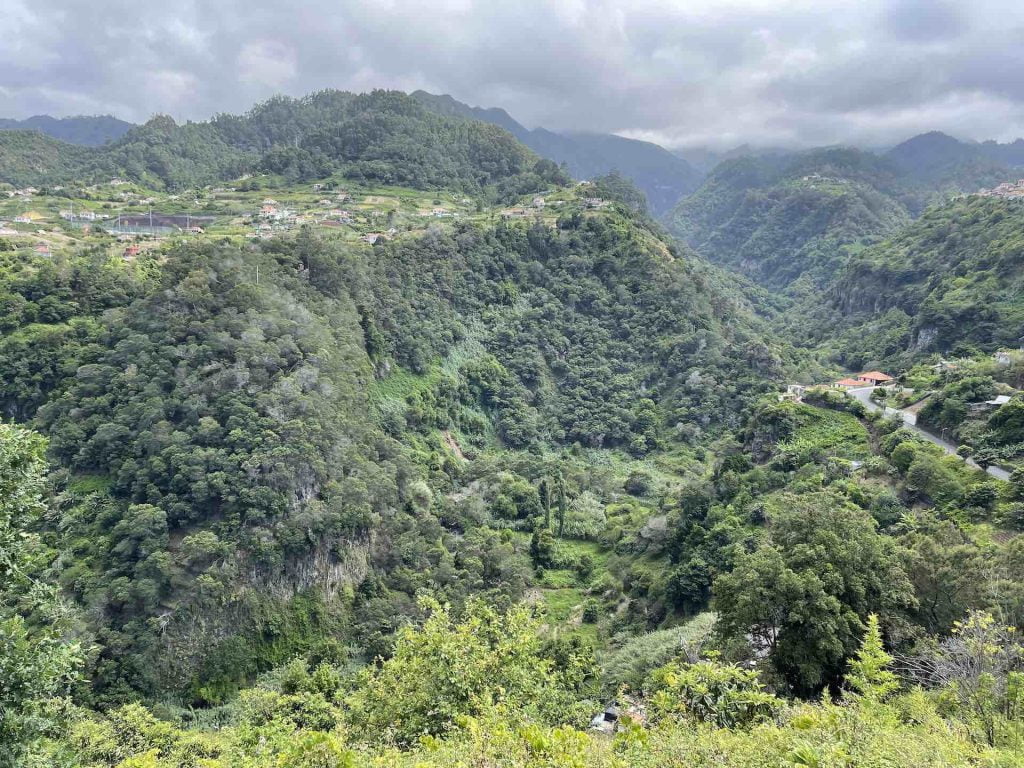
(561,504)
(805,594)
(545,502)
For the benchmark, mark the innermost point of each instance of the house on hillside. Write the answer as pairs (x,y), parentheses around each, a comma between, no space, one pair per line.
(875,379)
(847,383)
(131,252)
(42,249)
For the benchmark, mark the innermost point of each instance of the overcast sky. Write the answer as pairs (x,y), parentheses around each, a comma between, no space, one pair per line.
(680,72)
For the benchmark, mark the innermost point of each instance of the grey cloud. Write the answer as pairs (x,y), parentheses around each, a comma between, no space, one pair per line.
(721,73)
(926,20)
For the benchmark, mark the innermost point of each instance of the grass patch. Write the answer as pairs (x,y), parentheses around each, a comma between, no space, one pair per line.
(635,657)
(86,484)
(822,433)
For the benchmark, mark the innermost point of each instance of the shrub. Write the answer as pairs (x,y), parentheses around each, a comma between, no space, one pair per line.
(723,695)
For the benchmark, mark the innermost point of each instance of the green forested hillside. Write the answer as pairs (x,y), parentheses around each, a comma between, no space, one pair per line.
(28,158)
(252,433)
(383,136)
(955,166)
(778,218)
(435,481)
(852,264)
(952,282)
(85,130)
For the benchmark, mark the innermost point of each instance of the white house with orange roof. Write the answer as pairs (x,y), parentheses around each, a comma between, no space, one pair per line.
(847,383)
(875,379)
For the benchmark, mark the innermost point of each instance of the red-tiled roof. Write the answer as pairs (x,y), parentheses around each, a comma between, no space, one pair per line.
(848,383)
(875,376)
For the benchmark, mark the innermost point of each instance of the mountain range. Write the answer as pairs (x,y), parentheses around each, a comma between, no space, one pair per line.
(662,176)
(665,177)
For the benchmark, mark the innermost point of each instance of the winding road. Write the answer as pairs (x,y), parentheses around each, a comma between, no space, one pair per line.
(863,394)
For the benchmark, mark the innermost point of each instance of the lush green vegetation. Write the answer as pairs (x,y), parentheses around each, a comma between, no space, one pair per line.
(696,714)
(779,218)
(951,282)
(440,499)
(384,136)
(957,166)
(661,176)
(88,131)
(961,400)
(32,158)
(37,661)
(266,436)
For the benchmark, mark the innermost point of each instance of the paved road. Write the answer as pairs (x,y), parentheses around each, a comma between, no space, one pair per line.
(910,422)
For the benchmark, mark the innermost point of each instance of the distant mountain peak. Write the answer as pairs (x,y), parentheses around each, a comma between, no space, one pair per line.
(935,154)
(662,176)
(85,130)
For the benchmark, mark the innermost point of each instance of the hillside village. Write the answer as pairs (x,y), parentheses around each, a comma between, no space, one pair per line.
(1010,190)
(132,220)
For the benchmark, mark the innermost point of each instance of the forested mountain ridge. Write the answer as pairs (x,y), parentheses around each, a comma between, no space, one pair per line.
(384,136)
(252,433)
(778,218)
(782,215)
(952,282)
(663,177)
(28,158)
(957,166)
(87,131)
